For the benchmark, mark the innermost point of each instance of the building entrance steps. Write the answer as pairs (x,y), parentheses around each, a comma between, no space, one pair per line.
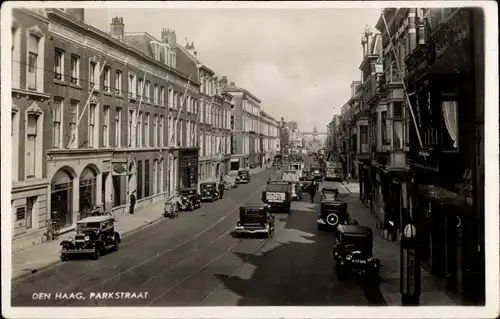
(389,254)
(35,258)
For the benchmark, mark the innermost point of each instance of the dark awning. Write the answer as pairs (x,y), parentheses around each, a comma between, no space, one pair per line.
(441,195)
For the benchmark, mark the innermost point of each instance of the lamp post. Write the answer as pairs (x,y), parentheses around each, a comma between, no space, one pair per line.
(410,267)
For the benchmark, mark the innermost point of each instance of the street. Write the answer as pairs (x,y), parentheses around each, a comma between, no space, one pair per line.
(196,261)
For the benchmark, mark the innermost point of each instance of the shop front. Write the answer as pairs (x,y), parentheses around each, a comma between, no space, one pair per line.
(446,221)
(365,184)
(188,168)
(61,197)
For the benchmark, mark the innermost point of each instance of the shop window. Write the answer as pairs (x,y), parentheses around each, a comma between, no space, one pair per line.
(139,180)
(146,178)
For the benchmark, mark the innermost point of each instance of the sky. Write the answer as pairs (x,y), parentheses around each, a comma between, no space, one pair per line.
(299,62)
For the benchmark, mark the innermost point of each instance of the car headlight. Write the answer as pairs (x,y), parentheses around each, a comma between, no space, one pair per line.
(349,257)
(87,238)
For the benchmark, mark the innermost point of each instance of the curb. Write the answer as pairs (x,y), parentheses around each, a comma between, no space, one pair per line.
(56,261)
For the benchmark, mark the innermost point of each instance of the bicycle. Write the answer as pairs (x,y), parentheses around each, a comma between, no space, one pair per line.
(52,231)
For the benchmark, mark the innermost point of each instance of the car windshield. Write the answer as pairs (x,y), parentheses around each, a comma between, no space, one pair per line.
(357,242)
(337,170)
(242,173)
(208,185)
(93,225)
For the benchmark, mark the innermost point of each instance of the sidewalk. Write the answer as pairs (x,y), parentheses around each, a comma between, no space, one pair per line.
(389,254)
(35,258)
(38,257)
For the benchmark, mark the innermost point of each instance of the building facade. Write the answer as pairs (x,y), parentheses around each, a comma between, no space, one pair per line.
(246,125)
(118,109)
(426,143)
(31,117)
(214,131)
(269,141)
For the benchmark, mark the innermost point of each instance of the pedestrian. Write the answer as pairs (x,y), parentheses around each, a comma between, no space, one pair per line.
(132,202)
(312,191)
(221,189)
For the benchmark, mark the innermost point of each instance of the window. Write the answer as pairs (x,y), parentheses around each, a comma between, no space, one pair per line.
(385,141)
(75,69)
(118,128)
(398,109)
(139,180)
(162,132)
(92,122)
(31,144)
(398,135)
(140,88)
(147,92)
(58,64)
(176,100)
(118,83)
(130,127)
(33,41)
(56,123)
(93,75)
(170,98)
(107,79)
(173,62)
(162,96)
(155,130)
(146,178)
(30,211)
(73,118)
(364,138)
(132,86)
(138,131)
(449,125)
(146,130)
(155,96)
(105,127)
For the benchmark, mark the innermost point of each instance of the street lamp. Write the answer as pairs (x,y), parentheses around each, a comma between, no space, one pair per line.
(410,267)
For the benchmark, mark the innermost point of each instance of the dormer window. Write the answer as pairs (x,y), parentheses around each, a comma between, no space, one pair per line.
(173,60)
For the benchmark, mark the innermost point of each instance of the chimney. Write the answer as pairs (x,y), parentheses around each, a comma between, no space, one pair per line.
(117,27)
(169,37)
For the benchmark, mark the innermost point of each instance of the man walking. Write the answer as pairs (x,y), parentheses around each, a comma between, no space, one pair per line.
(221,189)
(132,202)
(312,191)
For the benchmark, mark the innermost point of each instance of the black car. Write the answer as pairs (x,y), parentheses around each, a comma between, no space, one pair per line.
(304,183)
(190,199)
(94,235)
(353,254)
(255,219)
(331,214)
(329,193)
(209,191)
(243,176)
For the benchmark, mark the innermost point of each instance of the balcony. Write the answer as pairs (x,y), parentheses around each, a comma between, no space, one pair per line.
(374,88)
(392,76)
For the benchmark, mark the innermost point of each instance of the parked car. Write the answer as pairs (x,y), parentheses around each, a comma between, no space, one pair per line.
(331,214)
(255,219)
(243,176)
(209,191)
(94,235)
(189,199)
(353,254)
(329,193)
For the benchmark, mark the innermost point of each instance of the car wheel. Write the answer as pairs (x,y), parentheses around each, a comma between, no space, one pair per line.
(117,243)
(97,253)
(191,207)
(64,257)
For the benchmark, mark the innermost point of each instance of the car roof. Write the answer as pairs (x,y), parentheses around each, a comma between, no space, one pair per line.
(354,229)
(205,183)
(332,201)
(254,205)
(95,219)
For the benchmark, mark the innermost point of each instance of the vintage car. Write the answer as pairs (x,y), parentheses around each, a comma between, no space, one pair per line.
(243,176)
(94,235)
(255,219)
(329,193)
(304,183)
(353,254)
(331,214)
(189,199)
(209,191)
(278,194)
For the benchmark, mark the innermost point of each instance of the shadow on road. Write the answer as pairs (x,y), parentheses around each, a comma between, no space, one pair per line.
(295,269)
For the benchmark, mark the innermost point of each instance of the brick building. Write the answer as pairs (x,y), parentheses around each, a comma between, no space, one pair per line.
(111,104)
(214,132)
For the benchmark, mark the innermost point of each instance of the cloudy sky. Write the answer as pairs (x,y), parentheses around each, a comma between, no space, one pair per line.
(299,62)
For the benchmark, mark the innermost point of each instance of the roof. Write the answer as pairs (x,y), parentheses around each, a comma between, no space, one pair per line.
(333,201)
(354,229)
(95,219)
(254,205)
(245,91)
